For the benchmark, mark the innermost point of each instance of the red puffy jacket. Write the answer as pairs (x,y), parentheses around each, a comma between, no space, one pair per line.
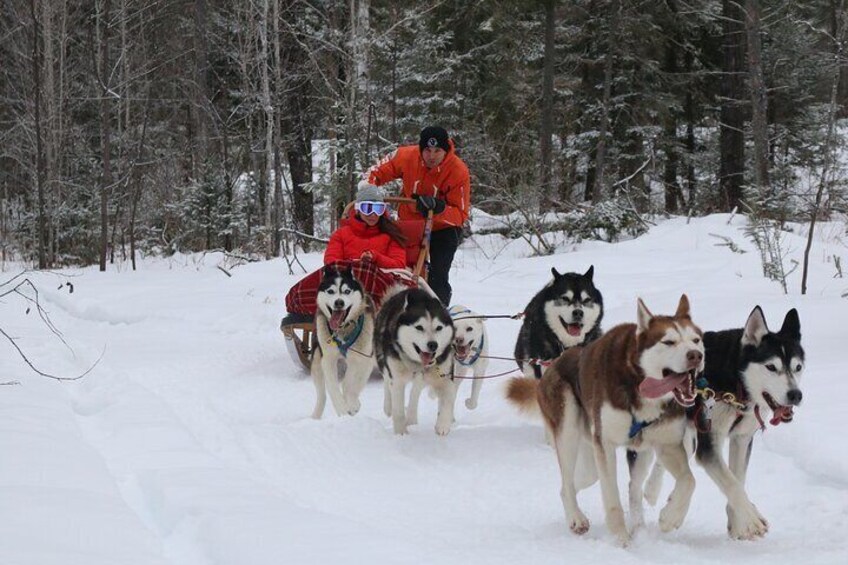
(449,181)
(355,237)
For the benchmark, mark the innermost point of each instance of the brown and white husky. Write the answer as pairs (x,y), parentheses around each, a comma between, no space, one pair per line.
(627,389)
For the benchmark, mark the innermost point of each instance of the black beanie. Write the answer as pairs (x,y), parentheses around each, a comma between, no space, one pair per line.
(434,136)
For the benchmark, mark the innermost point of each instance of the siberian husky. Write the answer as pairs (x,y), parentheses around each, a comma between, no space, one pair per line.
(344,326)
(565,313)
(628,388)
(412,339)
(470,353)
(751,371)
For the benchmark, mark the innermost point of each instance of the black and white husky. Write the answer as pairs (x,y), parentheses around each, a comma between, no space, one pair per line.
(412,342)
(344,326)
(752,371)
(565,313)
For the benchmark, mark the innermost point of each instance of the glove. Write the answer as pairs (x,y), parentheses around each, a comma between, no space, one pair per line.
(426,203)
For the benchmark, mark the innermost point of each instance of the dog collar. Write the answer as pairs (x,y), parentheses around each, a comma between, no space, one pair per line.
(477,353)
(350,339)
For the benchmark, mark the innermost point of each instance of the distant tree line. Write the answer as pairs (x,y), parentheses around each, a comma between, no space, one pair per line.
(185,125)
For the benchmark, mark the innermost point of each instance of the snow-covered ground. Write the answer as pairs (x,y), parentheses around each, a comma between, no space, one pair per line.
(190,443)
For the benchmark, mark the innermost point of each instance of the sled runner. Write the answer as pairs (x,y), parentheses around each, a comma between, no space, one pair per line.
(299,329)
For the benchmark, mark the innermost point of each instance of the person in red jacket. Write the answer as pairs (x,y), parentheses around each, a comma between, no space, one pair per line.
(367,243)
(438,180)
(368,234)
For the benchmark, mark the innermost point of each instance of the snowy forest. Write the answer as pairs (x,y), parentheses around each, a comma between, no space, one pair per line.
(157,126)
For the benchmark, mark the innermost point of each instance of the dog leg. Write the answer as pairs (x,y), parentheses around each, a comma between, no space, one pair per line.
(739,456)
(614,514)
(747,523)
(355,379)
(320,387)
(397,388)
(414,397)
(639,464)
(566,441)
(673,457)
(476,384)
(387,396)
(586,473)
(654,486)
(331,381)
(447,400)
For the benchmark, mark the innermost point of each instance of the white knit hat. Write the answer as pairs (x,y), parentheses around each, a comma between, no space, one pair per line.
(369,192)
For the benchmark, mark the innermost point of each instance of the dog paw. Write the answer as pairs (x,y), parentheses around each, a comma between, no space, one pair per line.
(399,426)
(470,404)
(671,517)
(747,525)
(412,419)
(579,524)
(353,406)
(443,429)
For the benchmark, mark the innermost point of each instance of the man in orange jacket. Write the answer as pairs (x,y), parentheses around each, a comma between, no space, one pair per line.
(438,180)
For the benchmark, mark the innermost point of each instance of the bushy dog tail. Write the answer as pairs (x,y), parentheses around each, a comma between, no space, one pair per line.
(522,392)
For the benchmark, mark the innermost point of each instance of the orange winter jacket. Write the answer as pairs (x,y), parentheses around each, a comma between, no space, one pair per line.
(449,181)
(355,237)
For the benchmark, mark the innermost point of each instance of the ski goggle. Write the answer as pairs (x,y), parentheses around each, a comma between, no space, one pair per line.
(367,207)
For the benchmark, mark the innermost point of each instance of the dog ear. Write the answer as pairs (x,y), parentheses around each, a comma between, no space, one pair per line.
(755,328)
(590,273)
(555,273)
(643,316)
(329,271)
(682,307)
(791,325)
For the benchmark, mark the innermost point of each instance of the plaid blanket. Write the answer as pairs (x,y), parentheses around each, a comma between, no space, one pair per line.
(301,299)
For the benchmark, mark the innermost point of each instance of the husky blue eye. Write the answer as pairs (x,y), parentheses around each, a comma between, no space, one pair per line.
(771,367)
(346,291)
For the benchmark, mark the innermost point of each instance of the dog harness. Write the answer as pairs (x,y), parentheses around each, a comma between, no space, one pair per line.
(637,426)
(350,339)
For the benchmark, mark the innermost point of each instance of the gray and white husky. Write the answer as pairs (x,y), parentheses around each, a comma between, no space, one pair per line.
(761,370)
(412,342)
(344,326)
(565,313)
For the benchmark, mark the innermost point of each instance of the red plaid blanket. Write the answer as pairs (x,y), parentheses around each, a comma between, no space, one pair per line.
(301,299)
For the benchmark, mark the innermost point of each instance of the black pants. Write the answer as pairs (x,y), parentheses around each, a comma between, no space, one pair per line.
(443,244)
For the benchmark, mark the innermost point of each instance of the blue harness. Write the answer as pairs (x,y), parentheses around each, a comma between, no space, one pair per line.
(351,338)
(636,426)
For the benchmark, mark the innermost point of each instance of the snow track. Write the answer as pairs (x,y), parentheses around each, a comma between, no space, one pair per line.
(191,442)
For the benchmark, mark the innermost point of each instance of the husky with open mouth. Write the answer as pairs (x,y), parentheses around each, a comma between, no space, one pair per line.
(412,339)
(344,326)
(628,388)
(752,372)
(565,313)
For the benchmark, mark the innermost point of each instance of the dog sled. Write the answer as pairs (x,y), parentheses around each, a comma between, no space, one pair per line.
(299,330)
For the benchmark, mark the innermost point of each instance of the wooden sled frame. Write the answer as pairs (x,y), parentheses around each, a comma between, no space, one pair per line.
(300,337)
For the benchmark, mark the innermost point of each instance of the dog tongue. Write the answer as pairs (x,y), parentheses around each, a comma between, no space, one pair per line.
(654,388)
(426,358)
(781,414)
(337,318)
(573,329)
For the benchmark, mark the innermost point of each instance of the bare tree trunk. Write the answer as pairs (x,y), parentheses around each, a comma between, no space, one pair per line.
(103,17)
(264,61)
(759,98)
(830,140)
(39,146)
(546,125)
(599,192)
(280,242)
(732,118)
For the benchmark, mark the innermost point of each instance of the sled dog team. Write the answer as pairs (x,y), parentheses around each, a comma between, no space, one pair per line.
(659,386)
